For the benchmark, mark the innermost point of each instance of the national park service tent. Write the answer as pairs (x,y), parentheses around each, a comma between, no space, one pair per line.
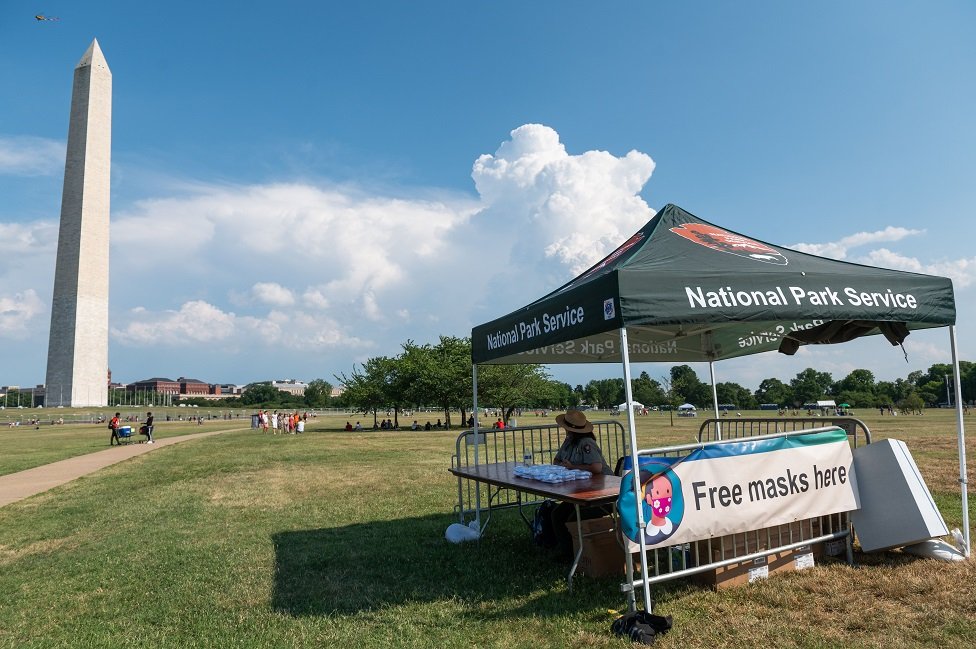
(682,289)
(687,290)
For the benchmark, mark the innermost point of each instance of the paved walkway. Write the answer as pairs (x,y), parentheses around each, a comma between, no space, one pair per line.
(23,484)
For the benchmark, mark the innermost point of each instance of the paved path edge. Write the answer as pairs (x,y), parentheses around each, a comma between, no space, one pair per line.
(30,482)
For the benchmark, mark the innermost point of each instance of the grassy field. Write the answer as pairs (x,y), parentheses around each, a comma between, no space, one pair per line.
(335,539)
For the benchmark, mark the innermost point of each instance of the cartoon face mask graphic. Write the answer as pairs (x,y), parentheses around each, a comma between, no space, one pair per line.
(658,495)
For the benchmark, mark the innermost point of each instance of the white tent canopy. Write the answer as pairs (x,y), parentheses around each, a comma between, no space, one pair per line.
(633,404)
(686,406)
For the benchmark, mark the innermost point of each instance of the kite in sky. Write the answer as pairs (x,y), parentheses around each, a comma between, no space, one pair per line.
(42,17)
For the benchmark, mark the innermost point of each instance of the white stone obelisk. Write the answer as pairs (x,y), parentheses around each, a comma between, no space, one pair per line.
(77,357)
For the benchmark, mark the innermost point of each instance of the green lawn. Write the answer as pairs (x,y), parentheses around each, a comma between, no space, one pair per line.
(334,539)
(27,446)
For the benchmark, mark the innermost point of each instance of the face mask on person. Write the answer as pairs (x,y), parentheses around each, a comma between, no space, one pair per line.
(661,506)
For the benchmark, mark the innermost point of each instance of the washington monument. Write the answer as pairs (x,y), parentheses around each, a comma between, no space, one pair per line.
(77,356)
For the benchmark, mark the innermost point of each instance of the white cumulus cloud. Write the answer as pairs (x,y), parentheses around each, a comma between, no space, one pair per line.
(575,208)
(194,322)
(33,237)
(31,156)
(839,249)
(961,271)
(18,313)
(198,322)
(273,294)
(345,268)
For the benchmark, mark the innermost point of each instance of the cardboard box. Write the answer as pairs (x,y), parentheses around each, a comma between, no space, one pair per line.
(602,554)
(746,572)
(743,572)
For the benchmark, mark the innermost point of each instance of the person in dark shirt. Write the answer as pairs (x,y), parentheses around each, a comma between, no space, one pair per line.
(579,450)
(147,428)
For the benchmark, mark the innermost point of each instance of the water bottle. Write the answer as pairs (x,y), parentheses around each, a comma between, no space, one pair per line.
(527,458)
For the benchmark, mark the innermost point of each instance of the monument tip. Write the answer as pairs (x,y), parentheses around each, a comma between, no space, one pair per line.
(93,56)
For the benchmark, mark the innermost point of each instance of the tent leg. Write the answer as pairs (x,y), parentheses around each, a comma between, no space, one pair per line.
(477,442)
(961,428)
(635,472)
(718,420)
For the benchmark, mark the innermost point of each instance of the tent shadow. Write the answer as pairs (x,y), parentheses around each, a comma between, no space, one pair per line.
(371,566)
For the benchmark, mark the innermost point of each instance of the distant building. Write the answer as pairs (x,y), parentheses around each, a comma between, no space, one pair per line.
(291,386)
(156,384)
(197,388)
(337,391)
(182,387)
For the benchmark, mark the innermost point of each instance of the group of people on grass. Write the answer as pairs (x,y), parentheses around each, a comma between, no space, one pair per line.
(388,424)
(282,422)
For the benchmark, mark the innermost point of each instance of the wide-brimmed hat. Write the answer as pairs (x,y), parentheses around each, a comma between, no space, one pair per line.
(575,421)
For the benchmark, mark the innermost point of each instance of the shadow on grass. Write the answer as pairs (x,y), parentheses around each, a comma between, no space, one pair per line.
(370,566)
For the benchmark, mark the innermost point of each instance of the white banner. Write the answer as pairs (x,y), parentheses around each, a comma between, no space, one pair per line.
(738,487)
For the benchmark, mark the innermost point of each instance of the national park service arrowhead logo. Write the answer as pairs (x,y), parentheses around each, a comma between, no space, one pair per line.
(725,241)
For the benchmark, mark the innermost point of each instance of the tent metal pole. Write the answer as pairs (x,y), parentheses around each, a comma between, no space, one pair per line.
(635,472)
(718,421)
(961,428)
(477,441)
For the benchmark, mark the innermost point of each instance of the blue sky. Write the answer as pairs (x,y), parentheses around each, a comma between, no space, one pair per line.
(300,186)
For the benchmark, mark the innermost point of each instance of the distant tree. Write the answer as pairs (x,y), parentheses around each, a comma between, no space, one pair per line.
(367,388)
(605,393)
(685,382)
(736,394)
(580,393)
(810,385)
(672,397)
(856,381)
(453,370)
(318,393)
(647,391)
(257,394)
(967,373)
(562,396)
(774,391)
(911,404)
(437,375)
(512,386)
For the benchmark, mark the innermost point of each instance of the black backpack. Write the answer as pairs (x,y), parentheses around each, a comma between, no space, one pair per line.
(542,531)
(641,627)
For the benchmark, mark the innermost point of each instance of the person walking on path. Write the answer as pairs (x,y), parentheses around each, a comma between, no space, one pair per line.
(114,425)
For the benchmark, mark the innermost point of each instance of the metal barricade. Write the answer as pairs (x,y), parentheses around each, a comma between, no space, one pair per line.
(511,445)
(687,559)
(738,427)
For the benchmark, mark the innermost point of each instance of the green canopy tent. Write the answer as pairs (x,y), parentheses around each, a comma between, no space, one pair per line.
(682,289)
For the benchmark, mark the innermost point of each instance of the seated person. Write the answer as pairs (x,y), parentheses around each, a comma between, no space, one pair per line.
(348,426)
(579,450)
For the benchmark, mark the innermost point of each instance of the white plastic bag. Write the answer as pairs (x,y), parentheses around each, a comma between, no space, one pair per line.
(457,533)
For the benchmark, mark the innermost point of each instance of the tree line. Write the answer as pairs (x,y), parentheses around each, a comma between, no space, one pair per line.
(438,377)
